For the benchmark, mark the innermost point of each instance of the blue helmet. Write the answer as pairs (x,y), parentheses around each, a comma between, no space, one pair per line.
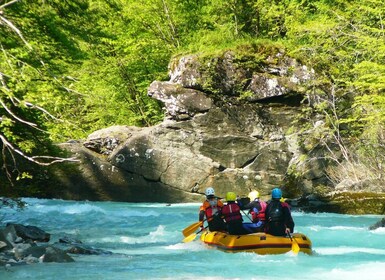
(276,193)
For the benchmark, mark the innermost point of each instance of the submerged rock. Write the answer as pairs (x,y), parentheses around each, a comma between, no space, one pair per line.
(30,232)
(379,224)
(53,254)
(21,244)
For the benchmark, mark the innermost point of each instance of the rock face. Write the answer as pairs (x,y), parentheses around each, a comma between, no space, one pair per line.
(232,122)
(227,125)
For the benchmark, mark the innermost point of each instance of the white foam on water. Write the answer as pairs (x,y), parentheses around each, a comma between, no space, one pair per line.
(76,208)
(136,213)
(159,235)
(189,246)
(349,250)
(299,213)
(337,228)
(379,231)
(80,208)
(372,271)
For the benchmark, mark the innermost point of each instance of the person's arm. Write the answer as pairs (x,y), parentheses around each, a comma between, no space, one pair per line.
(289,222)
(267,213)
(246,206)
(201,217)
(244,203)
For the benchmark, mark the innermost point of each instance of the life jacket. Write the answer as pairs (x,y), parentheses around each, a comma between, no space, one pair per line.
(260,214)
(210,211)
(275,212)
(231,212)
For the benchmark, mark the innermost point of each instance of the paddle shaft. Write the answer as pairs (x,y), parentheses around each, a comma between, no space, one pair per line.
(247,216)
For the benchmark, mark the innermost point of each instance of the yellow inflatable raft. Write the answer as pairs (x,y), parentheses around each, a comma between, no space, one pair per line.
(259,243)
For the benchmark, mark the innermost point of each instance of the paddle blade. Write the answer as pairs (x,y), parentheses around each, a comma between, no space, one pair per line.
(191,228)
(294,246)
(190,238)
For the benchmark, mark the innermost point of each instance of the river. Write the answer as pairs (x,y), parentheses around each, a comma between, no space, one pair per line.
(146,242)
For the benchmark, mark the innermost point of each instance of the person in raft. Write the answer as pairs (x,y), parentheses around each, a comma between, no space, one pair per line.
(231,212)
(279,221)
(211,209)
(257,208)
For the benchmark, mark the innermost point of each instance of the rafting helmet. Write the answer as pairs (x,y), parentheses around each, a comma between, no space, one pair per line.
(209,192)
(276,193)
(253,195)
(230,196)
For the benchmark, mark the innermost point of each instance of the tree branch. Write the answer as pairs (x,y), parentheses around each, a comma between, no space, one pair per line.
(16,117)
(7,4)
(35,159)
(14,28)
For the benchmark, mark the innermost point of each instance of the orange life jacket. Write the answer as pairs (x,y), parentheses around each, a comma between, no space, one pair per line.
(209,210)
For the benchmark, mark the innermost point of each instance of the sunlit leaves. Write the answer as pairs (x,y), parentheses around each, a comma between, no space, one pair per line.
(91,60)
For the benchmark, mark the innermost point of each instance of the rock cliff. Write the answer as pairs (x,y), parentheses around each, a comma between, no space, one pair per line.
(231,121)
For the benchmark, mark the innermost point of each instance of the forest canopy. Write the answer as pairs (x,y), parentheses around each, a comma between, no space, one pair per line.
(70,67)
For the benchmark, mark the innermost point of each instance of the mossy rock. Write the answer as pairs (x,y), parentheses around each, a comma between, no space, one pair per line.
(355,203)
(359,202)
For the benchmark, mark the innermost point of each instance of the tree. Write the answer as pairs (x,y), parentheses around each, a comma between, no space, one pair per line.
(22,133)
(344,42)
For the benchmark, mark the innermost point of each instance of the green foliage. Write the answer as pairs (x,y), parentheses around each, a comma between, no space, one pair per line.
(344,42)
(82,65)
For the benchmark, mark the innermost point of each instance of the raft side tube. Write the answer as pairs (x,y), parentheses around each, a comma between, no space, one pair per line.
(259,243)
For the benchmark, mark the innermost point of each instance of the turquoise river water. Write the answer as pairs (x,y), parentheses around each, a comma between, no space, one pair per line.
(146,242)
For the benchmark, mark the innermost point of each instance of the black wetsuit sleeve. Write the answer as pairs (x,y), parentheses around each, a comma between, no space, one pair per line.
(201,215)
(289,222)
(243,203)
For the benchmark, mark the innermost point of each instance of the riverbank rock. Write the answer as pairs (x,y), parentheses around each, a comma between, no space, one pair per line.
(30,232)
(21,244)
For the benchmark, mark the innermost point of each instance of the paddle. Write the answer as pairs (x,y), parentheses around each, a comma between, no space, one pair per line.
(192,236)
(247,216)
(294,244)
(191,228)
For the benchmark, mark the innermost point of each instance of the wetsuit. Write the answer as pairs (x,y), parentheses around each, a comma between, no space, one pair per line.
(278,218)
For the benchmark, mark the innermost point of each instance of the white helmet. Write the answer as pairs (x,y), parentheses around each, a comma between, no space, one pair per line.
(209,191)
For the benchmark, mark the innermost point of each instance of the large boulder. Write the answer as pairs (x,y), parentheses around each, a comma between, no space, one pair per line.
(28,232)
(210,137)
(232,121)
(181,103)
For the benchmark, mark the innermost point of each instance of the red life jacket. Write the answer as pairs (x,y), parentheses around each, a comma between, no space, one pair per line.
(261,213)
(211,210)
(231,212)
